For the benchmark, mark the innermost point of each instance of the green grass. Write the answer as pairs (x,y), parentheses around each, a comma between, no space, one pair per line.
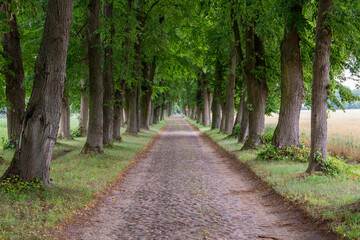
(334,199)
(77,178)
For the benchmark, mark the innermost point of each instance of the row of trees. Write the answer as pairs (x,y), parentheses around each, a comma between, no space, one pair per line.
(278,59)
(101,58)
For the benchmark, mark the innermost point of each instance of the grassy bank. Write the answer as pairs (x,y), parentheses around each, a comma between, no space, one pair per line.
(29,209)
(334,199)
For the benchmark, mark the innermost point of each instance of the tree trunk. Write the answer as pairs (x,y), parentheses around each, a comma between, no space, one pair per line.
(193,113)
(256,88)
(108,78)
(210,100)
(146,97)
(216,110)
(94,140)
(244,125)
(40,124)
(320,87)
(134,94)
(131,108)
(119,111)
(65,117)
(206,108)
(84,108)
(239,113)
(230,91)
(14,75)
(292,89)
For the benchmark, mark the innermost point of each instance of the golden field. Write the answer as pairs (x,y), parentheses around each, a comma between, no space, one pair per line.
(343,131)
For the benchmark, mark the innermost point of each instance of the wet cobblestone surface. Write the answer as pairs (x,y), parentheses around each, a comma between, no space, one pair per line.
(183,189)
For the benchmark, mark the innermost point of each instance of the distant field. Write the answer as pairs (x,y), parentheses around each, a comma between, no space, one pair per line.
(343,131)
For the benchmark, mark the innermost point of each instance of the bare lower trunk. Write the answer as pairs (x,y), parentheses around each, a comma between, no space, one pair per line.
(216,110)
(65,118)
(292,89)
(156,115)
(223,117)
(146,97)
(193,113)
(256,88)
(230,92)
(244,125)
(108,78)
(239,113)
(320,87)
(119,111)
(206,108)
(94,140)
(14,74)
(131,117)
(151,120)
(84,108)
(40,124)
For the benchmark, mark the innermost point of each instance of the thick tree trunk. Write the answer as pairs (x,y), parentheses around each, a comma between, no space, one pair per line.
(244,125)
(216,110)
(14,74)
(320,87)
(230,91)
(156,115)
(133,126)
(131,97)
(119,111)
(239,113)
(193,113)
(108,78)
(40,124)
(256,88)
(151,120)
(206,108)
(292,89)
(146,97)
(84,108)
(94,140)
(65,117)
(223,116)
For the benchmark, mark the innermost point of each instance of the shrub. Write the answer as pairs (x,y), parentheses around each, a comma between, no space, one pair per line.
(76,132)
(6,144)
(289,153)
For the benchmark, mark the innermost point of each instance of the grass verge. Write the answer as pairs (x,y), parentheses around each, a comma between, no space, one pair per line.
(332,199)
(26,212)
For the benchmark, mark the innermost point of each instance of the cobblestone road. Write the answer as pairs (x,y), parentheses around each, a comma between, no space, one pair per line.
(184,189)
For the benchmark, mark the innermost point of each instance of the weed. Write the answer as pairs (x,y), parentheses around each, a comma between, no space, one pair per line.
(7,144)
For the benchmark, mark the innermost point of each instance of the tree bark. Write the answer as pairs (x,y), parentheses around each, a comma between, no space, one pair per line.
(94,140)
(292,88)
(108,78)
(147,94)
(84,108)
(216,110)
(230,91)
(239,113)
(256,88)
(65,117)
(244,125)
(206,108)
(119,110)
(14,75)
(134,94)
(40,124)
(151,120)
(320,87)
